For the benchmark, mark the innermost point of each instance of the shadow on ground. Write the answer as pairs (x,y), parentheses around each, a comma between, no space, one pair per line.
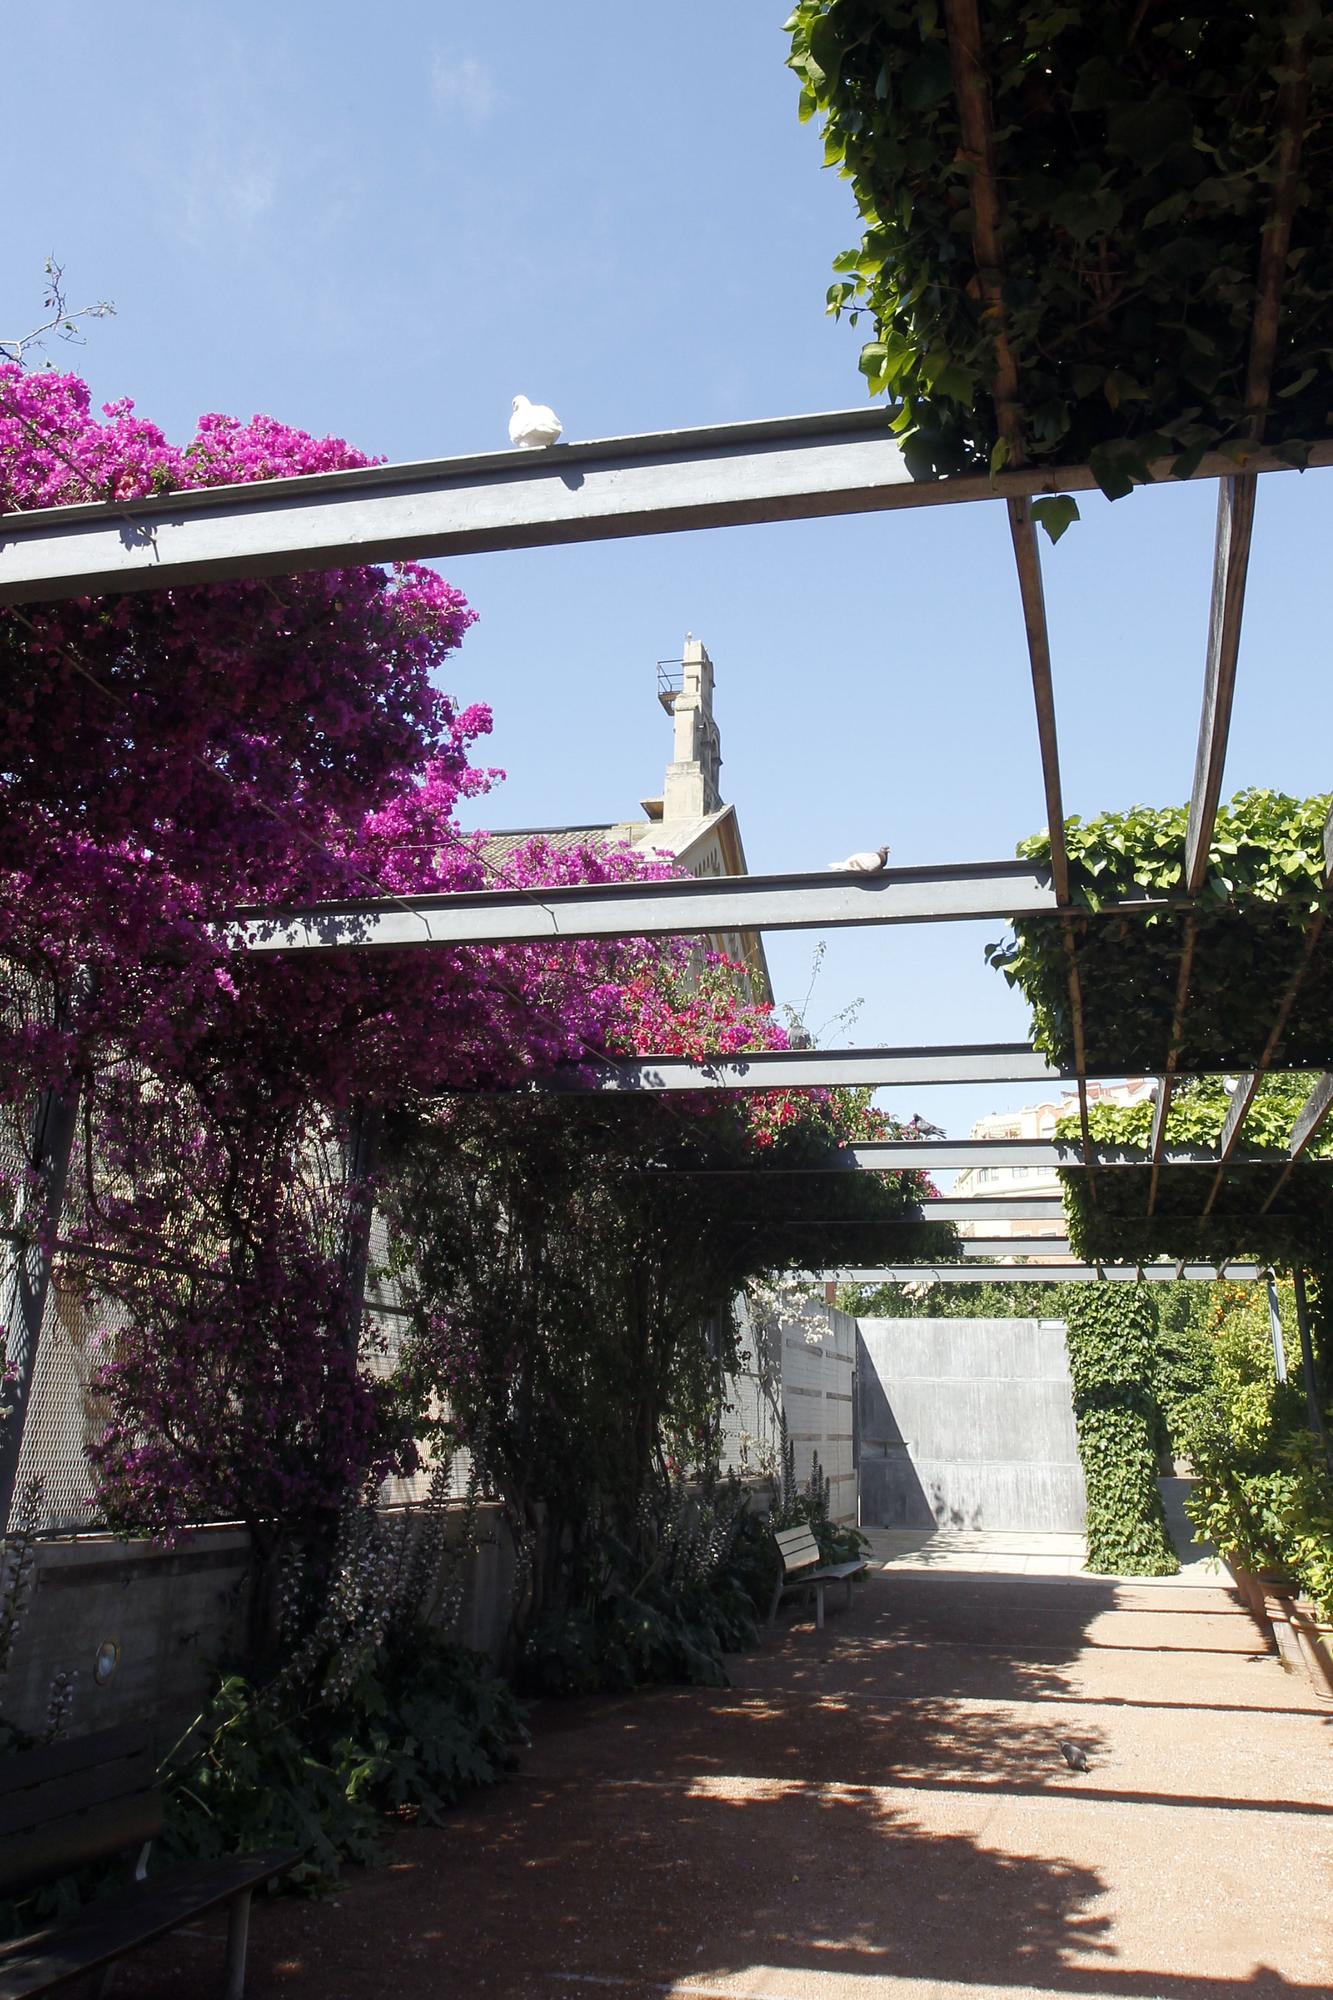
(879,1808)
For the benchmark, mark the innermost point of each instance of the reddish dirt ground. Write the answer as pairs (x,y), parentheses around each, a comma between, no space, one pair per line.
(879,1809)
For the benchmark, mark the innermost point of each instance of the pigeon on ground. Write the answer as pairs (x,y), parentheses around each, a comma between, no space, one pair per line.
(1075,1756)
(862,864)
(533,424)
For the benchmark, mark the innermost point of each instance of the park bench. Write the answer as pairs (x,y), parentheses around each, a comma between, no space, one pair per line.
(803,1570)
(89,1800)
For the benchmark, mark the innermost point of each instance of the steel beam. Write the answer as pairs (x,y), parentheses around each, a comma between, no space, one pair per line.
(897,1155)
(1014,1246)
(1247,1087)
(969,1248)
(1027,1274)
(27,1282)
(1309,1122)
(830,1069)
(954,892)
(983,1210)
(778,469)
(1231,557)
(1312,1115)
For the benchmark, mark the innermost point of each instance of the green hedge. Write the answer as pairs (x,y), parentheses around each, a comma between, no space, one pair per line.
(1111,1335)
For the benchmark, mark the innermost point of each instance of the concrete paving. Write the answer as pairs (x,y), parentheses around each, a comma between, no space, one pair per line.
(876,1812)
(978,1552)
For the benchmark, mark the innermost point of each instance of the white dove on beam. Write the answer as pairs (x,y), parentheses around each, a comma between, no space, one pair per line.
(533,425)
(867,863)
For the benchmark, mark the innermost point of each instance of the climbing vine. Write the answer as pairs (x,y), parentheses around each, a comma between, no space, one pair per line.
(1265,865)
(1136,152)
(1111,1332)
(1117,1224)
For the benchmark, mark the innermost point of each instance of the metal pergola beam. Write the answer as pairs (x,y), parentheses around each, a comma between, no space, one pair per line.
(791,1069)
(993,1208)
(1030,1274)
(1231,559)
(720,475)
(984,1210)
(948,893)
(1236,496)
(1247,1086)
(897,1155)
(1312,1115)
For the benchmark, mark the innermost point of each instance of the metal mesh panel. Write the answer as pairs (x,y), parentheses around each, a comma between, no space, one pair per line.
(83,1314)
(64,1416)
(388,1317)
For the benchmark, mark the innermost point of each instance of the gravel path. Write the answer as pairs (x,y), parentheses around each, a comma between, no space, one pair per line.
(876,1812)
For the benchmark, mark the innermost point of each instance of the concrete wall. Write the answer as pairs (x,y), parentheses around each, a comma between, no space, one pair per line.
(967,1423)
(176,1615)
(169,1612)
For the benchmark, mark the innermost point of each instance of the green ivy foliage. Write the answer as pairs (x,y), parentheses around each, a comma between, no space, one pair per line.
(1110,1333)
(1262,1493)
(1135,150)
(1113,1223)
(1266,858)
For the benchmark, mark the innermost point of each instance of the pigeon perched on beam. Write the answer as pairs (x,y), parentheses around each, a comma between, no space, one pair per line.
(533,425)
(870,862)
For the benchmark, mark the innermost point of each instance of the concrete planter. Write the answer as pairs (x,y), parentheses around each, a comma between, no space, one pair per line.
(1314,1638)
(1278,1601)
(1252,1597)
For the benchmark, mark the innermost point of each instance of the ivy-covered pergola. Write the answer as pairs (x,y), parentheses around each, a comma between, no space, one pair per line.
(1176,914)
(1068,916)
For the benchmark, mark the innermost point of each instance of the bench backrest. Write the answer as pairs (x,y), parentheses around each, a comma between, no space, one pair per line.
(797,1547)
(68,1803)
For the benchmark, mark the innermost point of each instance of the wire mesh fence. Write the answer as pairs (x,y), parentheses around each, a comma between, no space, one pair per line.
(86,1310)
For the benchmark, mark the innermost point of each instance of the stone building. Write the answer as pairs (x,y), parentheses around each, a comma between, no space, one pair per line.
(1033,1121)
(688,823)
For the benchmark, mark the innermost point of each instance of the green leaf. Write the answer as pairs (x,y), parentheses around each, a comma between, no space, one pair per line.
(928,79)
(1055,513)
(1148,130)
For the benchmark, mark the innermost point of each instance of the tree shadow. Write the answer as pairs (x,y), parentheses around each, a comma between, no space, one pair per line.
(829,1819)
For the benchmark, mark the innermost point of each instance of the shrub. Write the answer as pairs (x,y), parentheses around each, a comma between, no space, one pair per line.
(663,1603)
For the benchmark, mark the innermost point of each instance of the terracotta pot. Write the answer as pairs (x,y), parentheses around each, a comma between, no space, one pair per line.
(1314,1637)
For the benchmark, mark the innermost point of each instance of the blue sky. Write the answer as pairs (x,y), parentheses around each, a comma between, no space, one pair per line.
(384,230)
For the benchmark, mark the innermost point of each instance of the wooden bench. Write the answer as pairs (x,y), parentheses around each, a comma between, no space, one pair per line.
(89,1800)
(802,1570)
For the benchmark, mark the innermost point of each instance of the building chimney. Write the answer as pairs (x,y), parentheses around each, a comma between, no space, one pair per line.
(691,788)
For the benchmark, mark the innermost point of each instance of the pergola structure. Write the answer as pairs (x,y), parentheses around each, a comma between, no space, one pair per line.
(790,468)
